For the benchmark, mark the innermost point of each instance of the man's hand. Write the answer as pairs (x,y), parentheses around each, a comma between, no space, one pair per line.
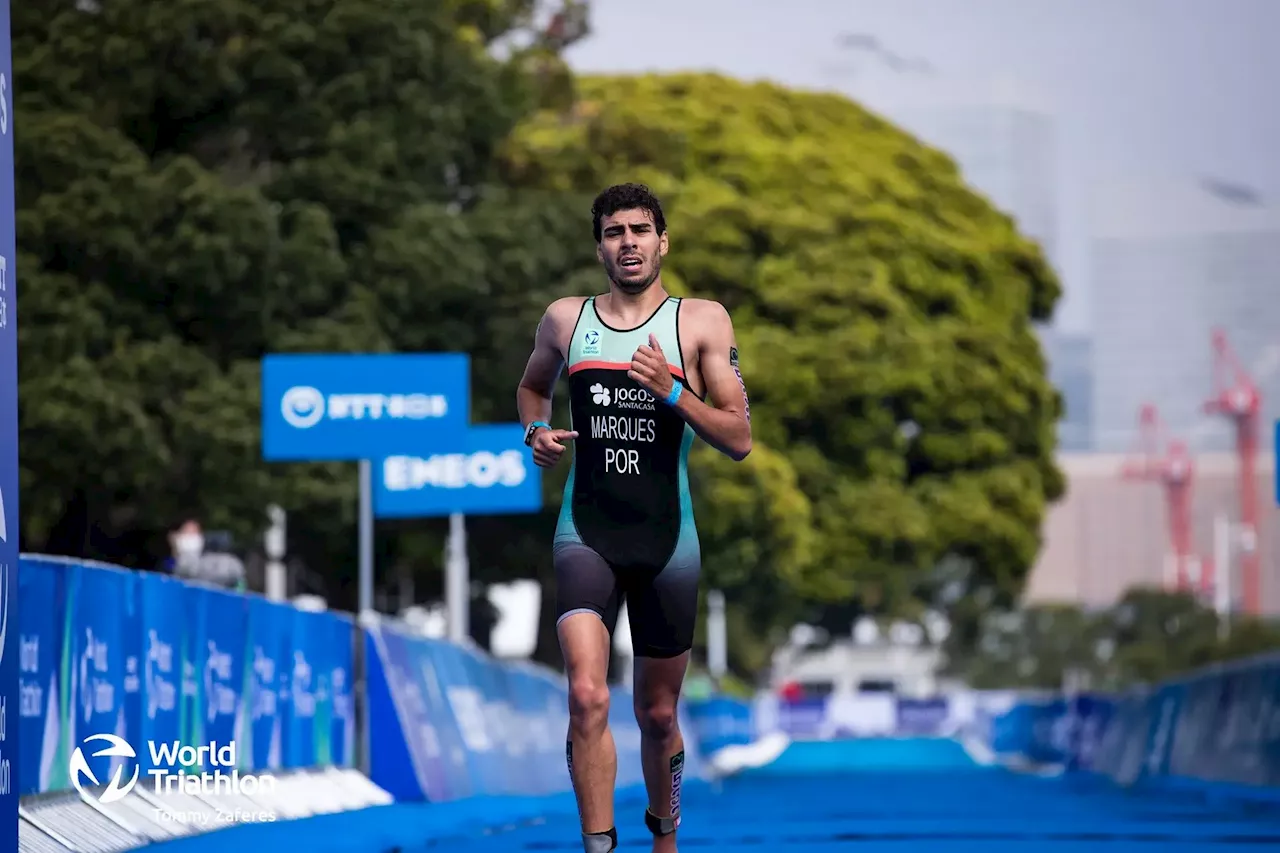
(649,367)
(547,447)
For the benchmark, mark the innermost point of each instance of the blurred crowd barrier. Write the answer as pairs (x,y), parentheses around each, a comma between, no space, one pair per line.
(1219,726)
(151,708)
(449,722)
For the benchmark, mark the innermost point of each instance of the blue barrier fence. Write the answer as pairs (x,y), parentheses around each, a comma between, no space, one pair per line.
(1220,725)
(157,662)
(448,722)
(720,721)
(162,663)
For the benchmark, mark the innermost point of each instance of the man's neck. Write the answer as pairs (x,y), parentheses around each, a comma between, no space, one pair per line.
(634,308)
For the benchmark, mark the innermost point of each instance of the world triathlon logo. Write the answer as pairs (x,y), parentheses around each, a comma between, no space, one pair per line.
(209,769)
(117,748)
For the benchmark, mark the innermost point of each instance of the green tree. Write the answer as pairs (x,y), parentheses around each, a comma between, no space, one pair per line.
(1156,634)
(1039,647)
(884,314)
(1148,636)
(201,183)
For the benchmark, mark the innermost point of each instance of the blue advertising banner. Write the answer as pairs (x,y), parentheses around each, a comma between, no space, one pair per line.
(342,685)
(721,721)
(1122,744)
(470,724)
(459,682)
(267,655)
(39,655)
(10,719)
(131,646)
(362,406)
(802,718)
(922,717)
(300,715)
(529,746)
(162,603)
(94,665)
(438,762)
(493,473)
(221,620)
(330,637)
(1090,717)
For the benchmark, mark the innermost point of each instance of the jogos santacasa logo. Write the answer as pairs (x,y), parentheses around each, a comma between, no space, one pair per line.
(175,768)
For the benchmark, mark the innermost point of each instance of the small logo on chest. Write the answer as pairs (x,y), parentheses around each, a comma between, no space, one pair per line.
(591,342)
(622,397)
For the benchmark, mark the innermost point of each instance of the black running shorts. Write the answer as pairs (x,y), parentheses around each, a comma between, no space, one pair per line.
(662,605)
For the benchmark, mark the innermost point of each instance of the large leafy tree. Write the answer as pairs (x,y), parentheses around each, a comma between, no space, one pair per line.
(200,183)
(884,313)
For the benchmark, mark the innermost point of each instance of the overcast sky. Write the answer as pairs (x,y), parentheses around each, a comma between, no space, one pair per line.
(1141,89)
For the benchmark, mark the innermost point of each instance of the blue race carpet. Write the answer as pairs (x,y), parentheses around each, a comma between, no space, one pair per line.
(889,796)
(900,796)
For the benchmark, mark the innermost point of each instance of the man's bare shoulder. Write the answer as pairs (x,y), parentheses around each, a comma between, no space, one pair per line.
(565,309)
(704,313)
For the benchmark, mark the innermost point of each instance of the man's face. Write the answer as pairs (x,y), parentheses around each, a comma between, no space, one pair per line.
(631,249)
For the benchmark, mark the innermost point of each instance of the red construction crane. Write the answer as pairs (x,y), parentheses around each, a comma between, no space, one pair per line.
(1168,463)
(1236,396)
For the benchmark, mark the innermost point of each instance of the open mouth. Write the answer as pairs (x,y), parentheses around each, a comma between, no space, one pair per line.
(631,263)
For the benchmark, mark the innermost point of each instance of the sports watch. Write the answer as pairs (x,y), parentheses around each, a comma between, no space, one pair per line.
(532,428)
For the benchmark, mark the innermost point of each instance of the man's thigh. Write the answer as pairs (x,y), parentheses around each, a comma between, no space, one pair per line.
(585,583)
(663,610)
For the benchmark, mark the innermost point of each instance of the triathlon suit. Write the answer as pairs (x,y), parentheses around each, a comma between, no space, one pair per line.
(626,526)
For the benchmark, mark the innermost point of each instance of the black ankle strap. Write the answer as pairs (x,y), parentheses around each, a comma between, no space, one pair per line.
(660,826)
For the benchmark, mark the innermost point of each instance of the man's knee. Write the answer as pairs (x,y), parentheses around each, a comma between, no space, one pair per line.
(657,718)
(588,704)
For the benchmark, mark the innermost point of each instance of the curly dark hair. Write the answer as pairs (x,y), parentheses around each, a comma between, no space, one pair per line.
(626,197)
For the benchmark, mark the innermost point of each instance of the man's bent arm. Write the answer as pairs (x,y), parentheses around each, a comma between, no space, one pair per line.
(726,423)
(537,385)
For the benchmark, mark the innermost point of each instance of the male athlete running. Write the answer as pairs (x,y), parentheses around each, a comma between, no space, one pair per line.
(641,363)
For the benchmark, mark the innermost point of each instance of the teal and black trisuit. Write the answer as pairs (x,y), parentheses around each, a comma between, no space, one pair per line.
(626,527)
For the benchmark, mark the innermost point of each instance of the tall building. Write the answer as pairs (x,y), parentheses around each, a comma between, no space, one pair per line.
(1169,263)
(1001,139)
(1109,534)
(1070,358)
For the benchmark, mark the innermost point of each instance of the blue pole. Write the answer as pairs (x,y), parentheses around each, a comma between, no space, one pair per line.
(9,528)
